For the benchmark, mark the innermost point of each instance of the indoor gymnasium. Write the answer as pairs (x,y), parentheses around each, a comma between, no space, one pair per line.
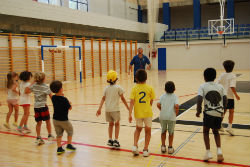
(124,83)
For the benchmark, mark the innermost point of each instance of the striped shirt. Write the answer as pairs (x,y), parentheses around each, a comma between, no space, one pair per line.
(40,93)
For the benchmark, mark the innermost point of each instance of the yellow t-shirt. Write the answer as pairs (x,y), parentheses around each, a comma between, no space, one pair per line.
(142,94)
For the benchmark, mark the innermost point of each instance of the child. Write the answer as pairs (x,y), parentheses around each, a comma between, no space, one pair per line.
(112,94)
(228,81)
(25,77)
(12,99)
(142,96)
(60,117)
(169,107)
(41,90)
(215,101)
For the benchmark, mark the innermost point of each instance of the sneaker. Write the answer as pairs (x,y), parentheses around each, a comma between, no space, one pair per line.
(51,137)
(230,131)
(26,130)
(220,158)
(6,125)
(39,141)
(170,150)
(70,147)
(145,153)
(163,149)
(208,156)
(116,144)
(15,124)
(221,129)
(20,131)
(135,150)
(60,150)
(110,142)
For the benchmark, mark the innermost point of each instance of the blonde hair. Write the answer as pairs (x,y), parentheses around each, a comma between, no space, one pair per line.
(10,80)
(39,77)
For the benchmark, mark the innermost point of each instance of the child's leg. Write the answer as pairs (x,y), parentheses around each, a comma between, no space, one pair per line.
(48,126)
(110,130)
(59,141)
(38,128)
(206,137)
(9,113)
(69,140)
(163,138)
(230,118)
(16,107)
(137,135)
(147,137)
(171,126)
(117,129)
(217,137)
(170,139)
(25,116)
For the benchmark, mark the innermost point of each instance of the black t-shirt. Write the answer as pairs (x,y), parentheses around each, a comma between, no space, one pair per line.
(61,107)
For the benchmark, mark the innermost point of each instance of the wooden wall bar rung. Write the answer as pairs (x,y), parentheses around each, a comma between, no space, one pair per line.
(83,58)
(126,57)
(114,67)
(100,57)
(120,55)
(74,56)
(92,57)
(26,52)
(53,60)
(64,60)
(107,54)
(39,51)
(10,52)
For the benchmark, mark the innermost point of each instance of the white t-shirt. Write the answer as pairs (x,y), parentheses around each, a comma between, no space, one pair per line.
(12,94)
(212,94)
(112,95)
(168,101)
(228,80)
(24,98)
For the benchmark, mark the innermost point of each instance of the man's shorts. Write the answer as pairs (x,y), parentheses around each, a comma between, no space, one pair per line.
(113,116)
(60,126)
(167,125)
(146,121)
(211,121)
(230,104)
(42,114)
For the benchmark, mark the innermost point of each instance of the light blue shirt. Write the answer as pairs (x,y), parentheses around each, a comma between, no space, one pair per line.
(168,101)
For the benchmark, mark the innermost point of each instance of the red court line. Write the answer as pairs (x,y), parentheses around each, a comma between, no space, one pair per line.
(126,150)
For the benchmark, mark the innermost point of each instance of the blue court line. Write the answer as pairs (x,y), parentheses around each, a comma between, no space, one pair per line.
(181,146)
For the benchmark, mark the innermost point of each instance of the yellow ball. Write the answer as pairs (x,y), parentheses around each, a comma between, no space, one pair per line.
(112,76)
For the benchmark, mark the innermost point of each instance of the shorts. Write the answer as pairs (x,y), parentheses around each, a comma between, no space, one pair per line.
(12,102)
(230,104)
(211,121)
(60,126)
(42,114)
(167,125)
(113,116)
(147,122)
(25,105)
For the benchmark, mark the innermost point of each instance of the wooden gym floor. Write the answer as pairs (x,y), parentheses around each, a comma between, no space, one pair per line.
(90,132)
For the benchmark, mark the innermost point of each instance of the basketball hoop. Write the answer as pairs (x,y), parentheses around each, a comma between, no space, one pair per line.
(220,32)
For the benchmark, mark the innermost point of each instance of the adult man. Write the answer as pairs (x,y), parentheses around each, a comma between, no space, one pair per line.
(139,61)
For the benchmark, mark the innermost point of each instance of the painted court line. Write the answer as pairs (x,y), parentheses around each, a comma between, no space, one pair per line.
(126,150)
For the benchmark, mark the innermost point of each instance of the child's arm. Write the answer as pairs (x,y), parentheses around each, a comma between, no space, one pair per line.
(132,102)
(99,111)
(176,107)
(151,102)
(50,95)
(199,107)
(70,105)
(225,104)
(235,93)
(124,101)
(14,89)
(159,106)
(27,90)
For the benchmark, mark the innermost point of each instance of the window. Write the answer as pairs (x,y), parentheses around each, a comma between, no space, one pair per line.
(79,5)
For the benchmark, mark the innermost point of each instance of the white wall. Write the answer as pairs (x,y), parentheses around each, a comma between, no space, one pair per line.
(203,54)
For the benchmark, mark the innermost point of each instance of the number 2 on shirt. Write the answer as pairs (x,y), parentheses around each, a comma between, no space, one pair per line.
(141,99)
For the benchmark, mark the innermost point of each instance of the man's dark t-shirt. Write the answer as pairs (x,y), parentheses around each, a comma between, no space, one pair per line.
(61,107)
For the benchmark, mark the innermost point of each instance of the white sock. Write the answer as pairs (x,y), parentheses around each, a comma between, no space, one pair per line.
(229,126)
(219,151)
(208,151)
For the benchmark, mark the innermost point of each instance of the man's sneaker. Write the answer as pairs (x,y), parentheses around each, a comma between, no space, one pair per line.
(220,158)
(145,153)
(6,125)
(20,131)
(208,156)
(163,149)
(60,150)
(51,137)
(15,124)
(230,131)
(170,150)
(110,142)
(26,130)
(39,141)
(135,150)
(221,129)
(116,144)
(70,147)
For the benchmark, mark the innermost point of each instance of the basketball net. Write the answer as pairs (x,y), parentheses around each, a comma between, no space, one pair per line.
(153,12)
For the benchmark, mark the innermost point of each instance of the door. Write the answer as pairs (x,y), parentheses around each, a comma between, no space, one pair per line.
(162,58)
